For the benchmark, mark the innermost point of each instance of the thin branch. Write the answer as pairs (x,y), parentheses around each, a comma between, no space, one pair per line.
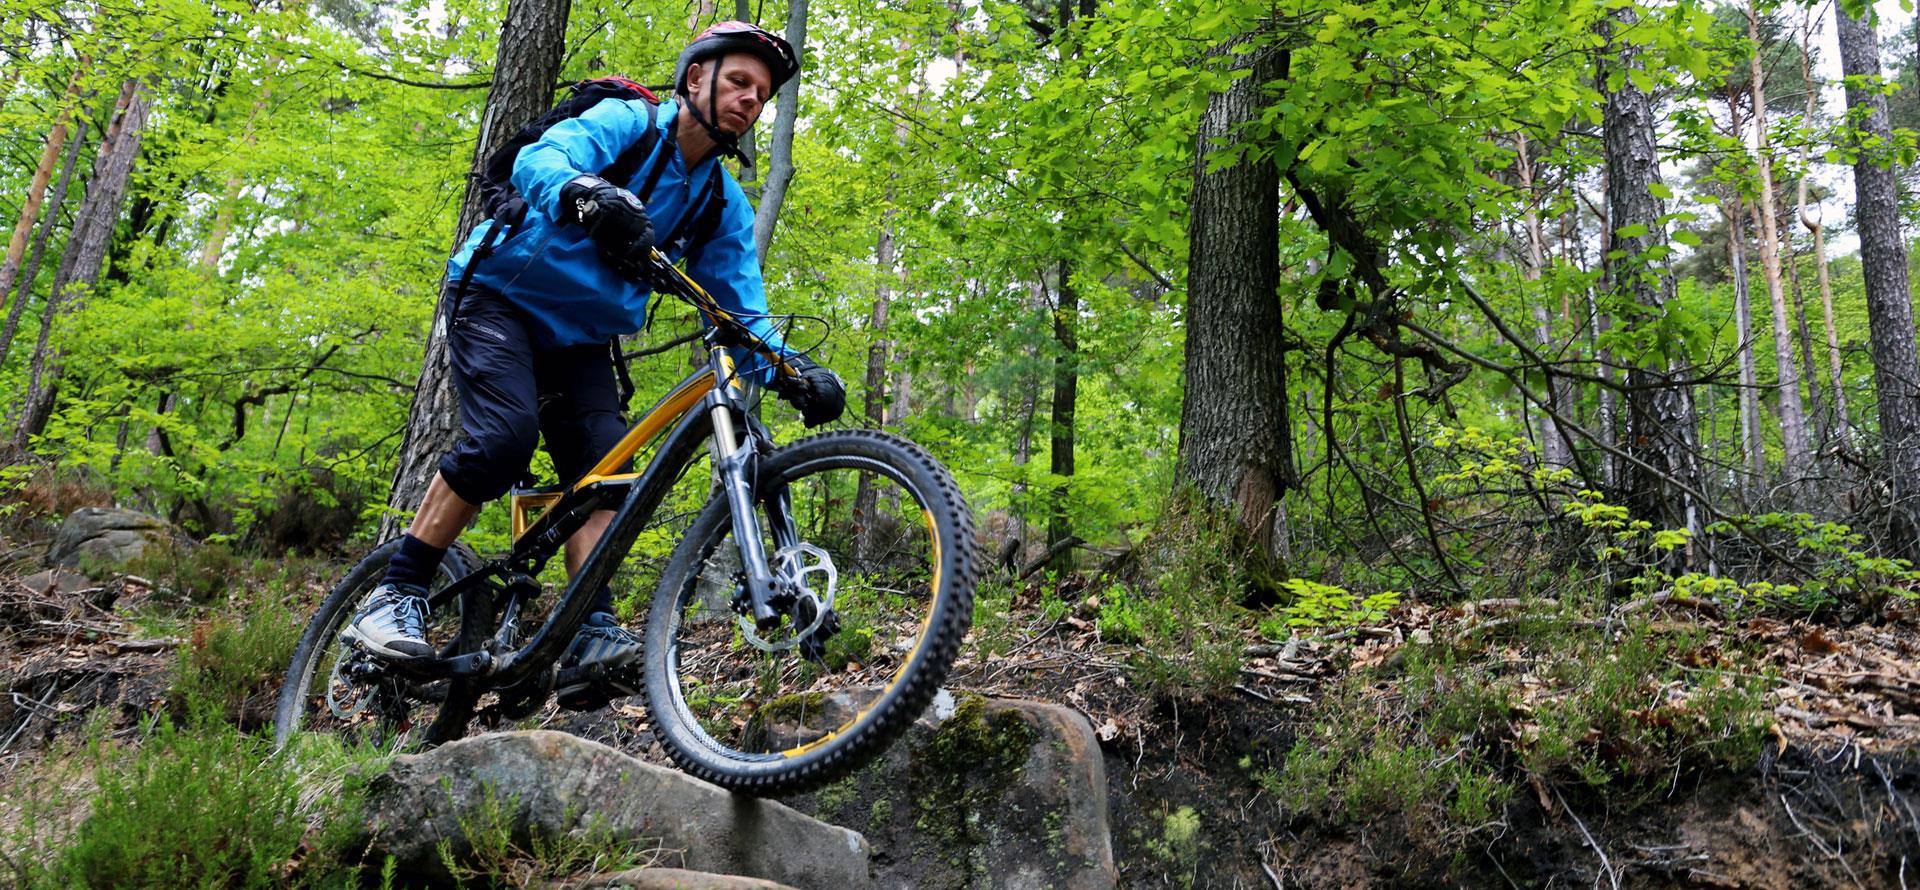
(1413,474)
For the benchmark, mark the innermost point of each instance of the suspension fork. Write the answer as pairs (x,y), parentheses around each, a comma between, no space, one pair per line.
(732,464)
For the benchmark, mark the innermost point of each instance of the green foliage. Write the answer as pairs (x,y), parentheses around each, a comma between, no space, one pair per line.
(1323,605)
(199,808)
(1562,700)
(1180,844)
(186,572)
(1189,618)
(233,663)
(495,853)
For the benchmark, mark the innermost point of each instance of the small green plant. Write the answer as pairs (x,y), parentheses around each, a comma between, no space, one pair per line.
(232,664)
(199,807)
(1122,616)
(1179,844)
(494,857)
(182,571)
(1323,605)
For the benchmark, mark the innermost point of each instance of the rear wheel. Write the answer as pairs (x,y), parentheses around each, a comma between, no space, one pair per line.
(875,594)
(333,688)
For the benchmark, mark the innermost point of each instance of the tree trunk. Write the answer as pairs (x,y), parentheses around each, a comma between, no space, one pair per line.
(1556,450)
(865,498)
(49,221)
(1028,406)
(37,187)
(1752,453)
(780,167)
(1883,260)
(532,43)
(1659,415)
(1066,393)
(86,250)
(1793,417)
(1235,442)
(1837,429)
(1817,424)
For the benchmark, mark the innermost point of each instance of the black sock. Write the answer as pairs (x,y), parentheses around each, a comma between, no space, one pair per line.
(415,563)
(603,601)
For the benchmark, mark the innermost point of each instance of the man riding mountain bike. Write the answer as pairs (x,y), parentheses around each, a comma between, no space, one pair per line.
(535,310)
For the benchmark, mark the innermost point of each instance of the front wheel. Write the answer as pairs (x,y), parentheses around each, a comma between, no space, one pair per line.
(872,553)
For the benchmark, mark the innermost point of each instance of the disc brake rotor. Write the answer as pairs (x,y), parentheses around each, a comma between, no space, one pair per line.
(807,571)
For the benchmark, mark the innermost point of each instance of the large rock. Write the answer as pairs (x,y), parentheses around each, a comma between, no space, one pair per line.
(106,536)
(981,793)
(555,784)
(672,879)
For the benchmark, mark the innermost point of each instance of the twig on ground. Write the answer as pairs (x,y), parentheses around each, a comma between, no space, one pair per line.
(1240,687)
(1280,885)
(1818,844)
(1606,865)
(1708,608)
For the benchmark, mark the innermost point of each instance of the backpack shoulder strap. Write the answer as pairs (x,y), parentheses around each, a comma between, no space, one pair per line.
(627,165)
(714,211)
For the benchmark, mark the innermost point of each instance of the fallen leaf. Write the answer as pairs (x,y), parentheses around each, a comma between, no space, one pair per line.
(1816,641)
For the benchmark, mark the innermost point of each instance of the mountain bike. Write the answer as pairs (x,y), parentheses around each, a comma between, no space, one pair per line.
(805,617)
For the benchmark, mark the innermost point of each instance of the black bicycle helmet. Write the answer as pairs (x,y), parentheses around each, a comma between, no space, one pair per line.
(739,37)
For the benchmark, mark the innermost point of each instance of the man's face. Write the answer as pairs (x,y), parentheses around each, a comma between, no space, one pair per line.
(744,83)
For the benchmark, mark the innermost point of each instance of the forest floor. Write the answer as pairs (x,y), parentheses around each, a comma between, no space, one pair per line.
(1504,742)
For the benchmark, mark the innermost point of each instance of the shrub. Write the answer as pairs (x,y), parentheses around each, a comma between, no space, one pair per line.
(233,664)
(205,808)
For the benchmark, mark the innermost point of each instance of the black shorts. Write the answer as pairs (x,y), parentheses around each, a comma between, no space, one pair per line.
(512,391)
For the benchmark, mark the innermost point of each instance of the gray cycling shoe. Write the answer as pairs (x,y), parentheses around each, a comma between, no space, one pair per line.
(392,622)
(598,665)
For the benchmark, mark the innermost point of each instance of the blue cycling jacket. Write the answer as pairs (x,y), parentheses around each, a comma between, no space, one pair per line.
(553,272)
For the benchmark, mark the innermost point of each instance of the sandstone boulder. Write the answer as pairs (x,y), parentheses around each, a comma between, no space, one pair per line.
(981,792)
(673,879)
(553,784)
(106,536)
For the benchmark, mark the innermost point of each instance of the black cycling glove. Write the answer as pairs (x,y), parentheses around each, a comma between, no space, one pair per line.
(816,391)
(615,220)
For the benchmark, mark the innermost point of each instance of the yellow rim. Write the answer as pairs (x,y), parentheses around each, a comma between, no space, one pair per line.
(926,624)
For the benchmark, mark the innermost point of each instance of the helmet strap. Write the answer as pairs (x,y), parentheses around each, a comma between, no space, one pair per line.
(729,143)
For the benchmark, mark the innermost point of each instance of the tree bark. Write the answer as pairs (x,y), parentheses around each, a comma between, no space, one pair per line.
(1793,417)
(37,186)
(1235,442)
(1837,428)
(49,221)
(1883,260)
(85,253)
(1817,425)
(780,169)
(865,498)
(1066,394)
(1659,415)
(532,45)
(1556,450)
(1753,455)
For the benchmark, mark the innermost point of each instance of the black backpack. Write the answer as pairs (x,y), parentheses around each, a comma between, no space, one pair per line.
(508,209)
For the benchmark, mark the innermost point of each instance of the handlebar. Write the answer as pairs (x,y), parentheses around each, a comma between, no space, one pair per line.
(722,327)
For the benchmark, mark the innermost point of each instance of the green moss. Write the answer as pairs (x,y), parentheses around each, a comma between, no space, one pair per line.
(961,773)
(1179,844)
(836,797)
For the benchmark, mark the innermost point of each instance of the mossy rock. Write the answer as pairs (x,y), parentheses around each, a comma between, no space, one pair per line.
(981,793)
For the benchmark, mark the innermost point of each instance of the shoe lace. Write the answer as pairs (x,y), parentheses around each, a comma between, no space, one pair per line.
(411,614)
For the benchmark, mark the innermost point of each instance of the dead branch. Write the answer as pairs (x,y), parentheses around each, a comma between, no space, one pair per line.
(1606,866)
